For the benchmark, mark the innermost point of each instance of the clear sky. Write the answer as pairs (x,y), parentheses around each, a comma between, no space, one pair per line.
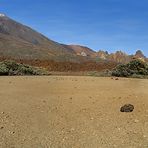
(99,24)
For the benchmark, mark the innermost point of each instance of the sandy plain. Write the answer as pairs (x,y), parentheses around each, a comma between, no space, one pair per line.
(72,112)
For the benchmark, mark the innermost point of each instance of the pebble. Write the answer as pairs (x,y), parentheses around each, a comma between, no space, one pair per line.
(1,127)
(136,121)
(144,136)
(135,132)
(119,128)
(7,116)
(72,129)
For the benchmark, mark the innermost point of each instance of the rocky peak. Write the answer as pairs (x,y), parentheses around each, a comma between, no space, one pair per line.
(119,57)
(102,54)
(120,53)
(2,15)
(139,54)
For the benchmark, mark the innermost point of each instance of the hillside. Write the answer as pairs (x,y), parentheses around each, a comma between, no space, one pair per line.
(82,50)
(19,41)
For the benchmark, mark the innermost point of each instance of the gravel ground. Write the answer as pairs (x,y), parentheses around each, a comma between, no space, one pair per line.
(72,112)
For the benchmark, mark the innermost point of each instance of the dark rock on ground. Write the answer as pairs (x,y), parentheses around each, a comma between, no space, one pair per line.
(127,108)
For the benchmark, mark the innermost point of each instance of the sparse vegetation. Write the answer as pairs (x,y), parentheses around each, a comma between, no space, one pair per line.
(135,68)
(104,73)
(12,68)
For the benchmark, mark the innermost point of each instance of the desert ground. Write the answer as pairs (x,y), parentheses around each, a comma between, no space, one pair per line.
(72,112)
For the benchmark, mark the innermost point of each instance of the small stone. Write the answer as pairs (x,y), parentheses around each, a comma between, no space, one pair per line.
(119,128)
(72,129)
(1,127)
(144,136)
(7,116)
(127,108)
(2,112)
(136,121)
(135,132)
(11,132)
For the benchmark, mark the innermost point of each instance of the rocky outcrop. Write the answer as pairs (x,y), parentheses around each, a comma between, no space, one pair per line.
(102,54)
(119,57)
(139,54)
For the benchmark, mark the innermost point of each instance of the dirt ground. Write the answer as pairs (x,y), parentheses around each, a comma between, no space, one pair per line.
(72,112)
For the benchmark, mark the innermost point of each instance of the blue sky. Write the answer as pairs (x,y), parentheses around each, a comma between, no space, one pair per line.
(99,24)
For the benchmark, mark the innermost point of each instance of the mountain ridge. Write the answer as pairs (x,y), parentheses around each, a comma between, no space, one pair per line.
(118,56)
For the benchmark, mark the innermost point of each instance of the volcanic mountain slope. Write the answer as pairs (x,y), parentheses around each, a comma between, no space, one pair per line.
(82,50)
(20,41)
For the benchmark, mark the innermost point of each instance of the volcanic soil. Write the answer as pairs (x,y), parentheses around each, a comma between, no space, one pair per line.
(72,112)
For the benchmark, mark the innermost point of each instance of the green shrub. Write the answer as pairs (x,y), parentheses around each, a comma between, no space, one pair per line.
(3,70)
(136,67)
(13,68)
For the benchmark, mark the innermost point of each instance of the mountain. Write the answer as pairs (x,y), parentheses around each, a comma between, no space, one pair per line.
(20,41)
(118,56)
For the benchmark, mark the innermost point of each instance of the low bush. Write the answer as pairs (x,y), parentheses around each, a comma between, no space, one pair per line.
(104,73)
(13,68)
(133,68)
